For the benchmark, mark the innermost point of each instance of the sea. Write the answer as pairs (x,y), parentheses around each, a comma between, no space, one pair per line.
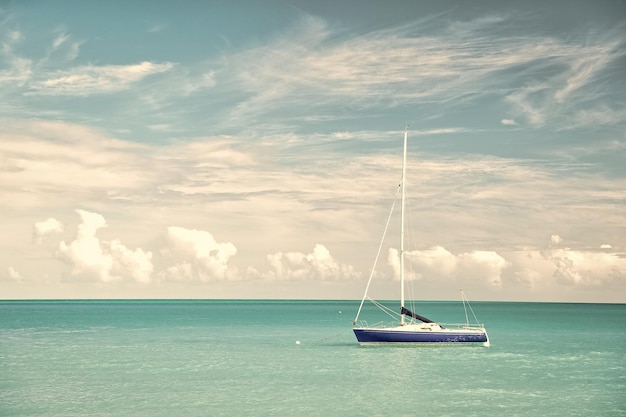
(300,358)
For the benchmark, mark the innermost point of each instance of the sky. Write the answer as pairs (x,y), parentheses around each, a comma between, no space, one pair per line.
(253,149)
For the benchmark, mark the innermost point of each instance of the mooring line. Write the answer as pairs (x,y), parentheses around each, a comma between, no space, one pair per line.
(326,339)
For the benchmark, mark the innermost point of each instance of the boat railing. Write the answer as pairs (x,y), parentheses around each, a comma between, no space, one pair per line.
(363,323)
(463,325)
(382,324)
(459,326)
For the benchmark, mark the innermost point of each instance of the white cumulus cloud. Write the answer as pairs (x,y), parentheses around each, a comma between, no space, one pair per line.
(439,263)
(14,274)
(46,228)
(91,258)
(556,266)
(85,254)
(487,265)
(136,264)
(572,267)
(422,264)
(317,265)
(198,256)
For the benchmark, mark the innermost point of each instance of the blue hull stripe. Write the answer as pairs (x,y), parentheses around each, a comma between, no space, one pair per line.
(382,336)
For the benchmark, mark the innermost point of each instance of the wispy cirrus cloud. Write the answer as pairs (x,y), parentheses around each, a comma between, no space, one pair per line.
(63,49)
(595,116)
(312,66)
(14,68)
(90,79)
(50,75)
(305,72)
(157,27)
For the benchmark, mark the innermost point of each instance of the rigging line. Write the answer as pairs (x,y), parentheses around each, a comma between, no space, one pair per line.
(463,298)
(382,241)
(391,313)
(470,307)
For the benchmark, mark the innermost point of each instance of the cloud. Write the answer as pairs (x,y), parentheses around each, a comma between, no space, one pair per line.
(16,70)
(62,48)
(197,256)
(423,264)
(317,265)
(583,68)
(157,27)
(586,268)
(85,254)
(91,258)
(311,65)
(222,175)
(19,71)
(91,79)
(189,255)
(486,265)
(194,255)
(439,263)
(598,115)
(10,40)
(393,259)
(43,229)
(135,264)
(573,96)
(508,122)
(549,268)
(13,274)
(27,75)
(555,267)
(41,160)
(193,83)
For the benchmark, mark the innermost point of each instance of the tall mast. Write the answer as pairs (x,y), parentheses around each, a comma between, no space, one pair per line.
(406,134)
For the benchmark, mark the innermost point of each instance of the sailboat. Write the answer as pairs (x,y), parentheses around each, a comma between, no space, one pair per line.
(412,328)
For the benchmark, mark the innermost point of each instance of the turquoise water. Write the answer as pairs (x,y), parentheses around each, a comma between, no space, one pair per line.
(240,358)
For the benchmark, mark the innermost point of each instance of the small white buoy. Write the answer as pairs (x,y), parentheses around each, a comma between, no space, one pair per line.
(339,311)
(297,342)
